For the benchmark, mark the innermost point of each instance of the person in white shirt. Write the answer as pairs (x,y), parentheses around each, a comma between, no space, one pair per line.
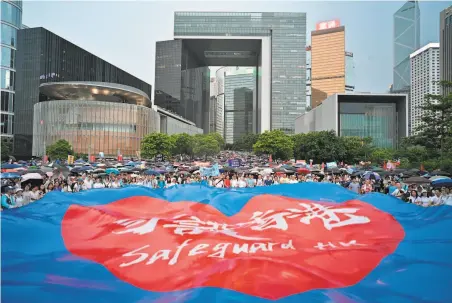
(425,200)
(88,182)
(98,184)
(34,194)
(414,198)
(218,183)
(436,199)
(172,183)
(242,182)
(234,182)
(260,181)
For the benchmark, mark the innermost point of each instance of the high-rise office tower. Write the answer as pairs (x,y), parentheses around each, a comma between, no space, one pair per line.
(445,46)
(327,61)
(406,41)
(239,106)
(11,22)
(45,57)
(425,70)
(272,42)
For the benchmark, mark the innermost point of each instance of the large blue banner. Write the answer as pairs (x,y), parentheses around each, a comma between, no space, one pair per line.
(308,242)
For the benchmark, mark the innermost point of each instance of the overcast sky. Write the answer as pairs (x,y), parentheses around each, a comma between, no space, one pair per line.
(124,32)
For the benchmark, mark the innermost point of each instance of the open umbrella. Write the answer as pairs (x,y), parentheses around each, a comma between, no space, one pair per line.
(417,180)
(371,175)
(442,183)
(31,176)
(10,166)
(112,171)
(150,172)
(10,176)
(439,173)
(303,171)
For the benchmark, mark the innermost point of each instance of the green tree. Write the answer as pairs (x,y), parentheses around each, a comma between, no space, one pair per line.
(435,131)
(206,145)
(59,150)
(246,142)
(416,154)
(275,143)
(6,149)
(218,138)
(156,144)
(379,155)
(323,146)
(182,144)
(356,149)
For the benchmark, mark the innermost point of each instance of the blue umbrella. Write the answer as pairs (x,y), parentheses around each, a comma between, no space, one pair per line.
(442,183)
(112,171)
(10,176)
(371,175)
(10,166)
(151,172)
(131,163)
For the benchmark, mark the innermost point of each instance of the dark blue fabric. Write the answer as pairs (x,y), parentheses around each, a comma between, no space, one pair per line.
(32,250)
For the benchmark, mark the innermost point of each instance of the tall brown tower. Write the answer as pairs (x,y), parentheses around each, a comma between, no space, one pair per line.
(327,60)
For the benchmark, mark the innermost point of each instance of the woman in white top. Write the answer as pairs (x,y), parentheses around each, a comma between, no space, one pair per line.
(425,200)
(234,182)
(414,198)
(98,184)
(242,182)
(260,181)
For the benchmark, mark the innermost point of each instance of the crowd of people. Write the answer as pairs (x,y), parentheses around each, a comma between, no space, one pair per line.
(16,194)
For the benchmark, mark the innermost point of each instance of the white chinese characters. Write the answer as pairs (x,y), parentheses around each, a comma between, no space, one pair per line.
(330,216)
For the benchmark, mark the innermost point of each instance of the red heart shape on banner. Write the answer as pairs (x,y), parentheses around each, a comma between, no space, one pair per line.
(274,247)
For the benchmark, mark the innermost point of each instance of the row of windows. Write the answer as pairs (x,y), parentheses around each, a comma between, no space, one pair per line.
(7,104)
(11,14)
(7,79)
(6,124)
(8,57)
(9,35)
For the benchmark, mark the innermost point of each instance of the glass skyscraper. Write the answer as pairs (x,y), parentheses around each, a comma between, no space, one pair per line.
(239,106)
(11,22)
(406,41)
(276,48)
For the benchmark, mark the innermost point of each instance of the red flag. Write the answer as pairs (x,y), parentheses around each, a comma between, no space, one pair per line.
(323,165)
(384,165)
(270,159)
(422,167)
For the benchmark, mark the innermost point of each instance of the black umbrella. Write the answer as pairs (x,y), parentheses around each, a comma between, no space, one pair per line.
(417,180)
(440,173)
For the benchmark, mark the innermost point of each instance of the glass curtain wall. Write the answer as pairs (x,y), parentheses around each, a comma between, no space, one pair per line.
(93,126)
(11,22)
(374,120)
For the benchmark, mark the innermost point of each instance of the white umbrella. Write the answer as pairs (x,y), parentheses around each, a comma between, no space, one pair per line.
(31,176)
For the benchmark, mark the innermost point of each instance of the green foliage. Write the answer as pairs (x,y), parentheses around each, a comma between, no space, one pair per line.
(433,144)
(59,150)
(275,143)
(246,142)
(6,149)
(81,156)
(206,145)
(356,149)
(379,155)
(436,128)
(323,146)
(182,144)
(155,144)
(218,138)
